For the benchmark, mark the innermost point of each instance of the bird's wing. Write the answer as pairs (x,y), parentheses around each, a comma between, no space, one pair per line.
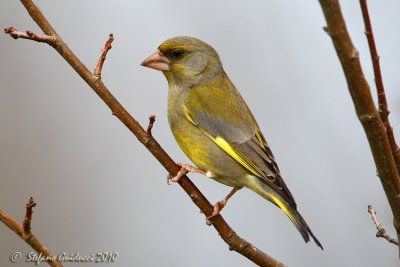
(233,128)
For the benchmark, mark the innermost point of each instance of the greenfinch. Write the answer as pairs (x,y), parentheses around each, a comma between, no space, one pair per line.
(216,129)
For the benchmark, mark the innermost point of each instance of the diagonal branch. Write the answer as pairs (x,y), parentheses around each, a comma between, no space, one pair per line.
(381,231)
(25,233)
(364,106)
(382,103)
(234,241)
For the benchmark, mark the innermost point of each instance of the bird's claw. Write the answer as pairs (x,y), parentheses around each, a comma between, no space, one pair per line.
(185,169)
(217,209)
(182,172)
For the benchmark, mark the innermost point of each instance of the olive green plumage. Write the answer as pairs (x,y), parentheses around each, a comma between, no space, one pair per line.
(215,128)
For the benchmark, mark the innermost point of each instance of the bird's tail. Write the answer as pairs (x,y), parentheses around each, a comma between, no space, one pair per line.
(302,226)
(290,210)
(295,217)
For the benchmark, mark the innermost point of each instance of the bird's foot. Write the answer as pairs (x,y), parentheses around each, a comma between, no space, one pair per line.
(217,209)
(185,168)
(220,205)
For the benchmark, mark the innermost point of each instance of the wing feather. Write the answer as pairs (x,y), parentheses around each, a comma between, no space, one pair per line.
(241,137)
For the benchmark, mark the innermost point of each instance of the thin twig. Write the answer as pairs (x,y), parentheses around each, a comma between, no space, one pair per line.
(28,216)
(25,233)
(382,102)
(29,35)
(234,241)
(152,119)
(104,51)
(381,231)
(364,105)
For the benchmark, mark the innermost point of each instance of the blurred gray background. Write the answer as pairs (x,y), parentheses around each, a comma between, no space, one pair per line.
(98,189)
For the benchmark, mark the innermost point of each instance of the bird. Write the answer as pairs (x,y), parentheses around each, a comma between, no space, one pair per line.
(215,128)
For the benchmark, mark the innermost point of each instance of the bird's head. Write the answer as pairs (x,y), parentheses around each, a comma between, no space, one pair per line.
(185,61)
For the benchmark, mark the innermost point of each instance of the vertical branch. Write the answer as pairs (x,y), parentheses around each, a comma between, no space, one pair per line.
(382,102)
(104,51)
(26,224)
(152,119)
(364,106)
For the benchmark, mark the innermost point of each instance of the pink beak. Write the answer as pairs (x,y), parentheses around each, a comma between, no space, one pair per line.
(156,61)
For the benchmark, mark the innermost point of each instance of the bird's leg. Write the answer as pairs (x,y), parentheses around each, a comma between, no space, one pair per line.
(185,168)
(220,205)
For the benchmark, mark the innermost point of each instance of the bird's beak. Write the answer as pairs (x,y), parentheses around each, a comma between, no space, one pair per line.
(156,61)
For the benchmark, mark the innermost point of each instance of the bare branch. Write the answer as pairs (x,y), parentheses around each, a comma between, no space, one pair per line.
(104,51)
(382,103)
(234,241)
(152,119)
(381,231)
(29,35)
(26,234)
(364,105)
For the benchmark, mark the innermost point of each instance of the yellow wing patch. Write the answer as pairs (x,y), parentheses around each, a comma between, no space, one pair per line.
(234,154)
(222,143)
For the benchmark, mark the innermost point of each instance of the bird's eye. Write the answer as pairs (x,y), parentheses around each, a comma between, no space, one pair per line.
(177,53)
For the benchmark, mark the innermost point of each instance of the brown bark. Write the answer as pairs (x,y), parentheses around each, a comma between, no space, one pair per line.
(382,102)
(364,105)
